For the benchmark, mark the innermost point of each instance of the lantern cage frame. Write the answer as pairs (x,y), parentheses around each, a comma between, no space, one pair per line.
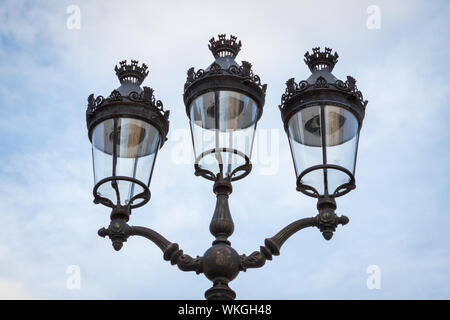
(136,105)
(224,74)
(322,89)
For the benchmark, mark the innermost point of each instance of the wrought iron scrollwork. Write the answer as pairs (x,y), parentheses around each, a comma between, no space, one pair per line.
(326,221)
(119,231)
(94,103)
(221,263)
(115,96)
(293,89)
(255,260)
(322,63)
(243,72)
(146,97)
(321,82)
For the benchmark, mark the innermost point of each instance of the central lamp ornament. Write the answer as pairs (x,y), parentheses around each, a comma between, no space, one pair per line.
(322,117)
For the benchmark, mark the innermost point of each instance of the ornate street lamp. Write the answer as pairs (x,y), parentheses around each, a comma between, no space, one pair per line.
(223,102)
(322,117)
(126,130)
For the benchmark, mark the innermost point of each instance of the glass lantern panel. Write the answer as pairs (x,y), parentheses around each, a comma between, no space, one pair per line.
(223,124)
(313,129)
(341,141)
(124,147)
(305,139)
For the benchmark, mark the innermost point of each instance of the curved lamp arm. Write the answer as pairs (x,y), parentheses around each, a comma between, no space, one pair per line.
(119,231)
(221,263)
(326,221)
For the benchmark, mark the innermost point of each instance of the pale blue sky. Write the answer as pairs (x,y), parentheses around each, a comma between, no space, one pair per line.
(399,216)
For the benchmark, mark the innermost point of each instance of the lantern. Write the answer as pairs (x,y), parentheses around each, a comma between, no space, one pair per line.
(126,130)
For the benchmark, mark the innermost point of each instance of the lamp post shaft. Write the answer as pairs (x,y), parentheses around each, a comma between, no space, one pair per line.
(222,225)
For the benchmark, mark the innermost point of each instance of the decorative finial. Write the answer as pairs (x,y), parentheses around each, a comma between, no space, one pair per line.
(321,60)
(131,72)
(224,47)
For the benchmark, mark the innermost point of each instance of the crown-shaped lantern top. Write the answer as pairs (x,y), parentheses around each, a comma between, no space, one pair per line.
(225,47)
(321,60)
(131,72)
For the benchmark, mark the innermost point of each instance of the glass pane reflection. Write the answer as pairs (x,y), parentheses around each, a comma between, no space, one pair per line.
(320,135)
(135,144)
(222,126)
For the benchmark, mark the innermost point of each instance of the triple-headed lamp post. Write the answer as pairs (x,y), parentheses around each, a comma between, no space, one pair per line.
(322,117)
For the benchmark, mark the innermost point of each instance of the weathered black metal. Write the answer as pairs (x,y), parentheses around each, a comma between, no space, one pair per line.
(144,196)
(139,103)
(327,222)
(119,231)
(222,225)
(322,88)
(310,191)
(244,169)
(221,263)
